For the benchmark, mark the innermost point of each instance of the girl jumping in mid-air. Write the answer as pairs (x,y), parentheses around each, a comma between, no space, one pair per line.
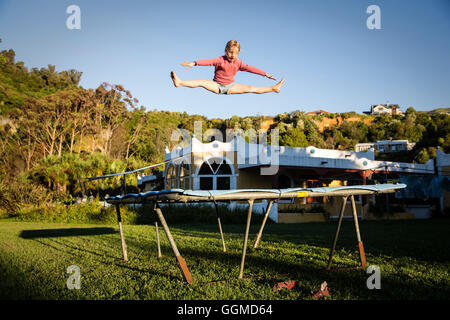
(226,68)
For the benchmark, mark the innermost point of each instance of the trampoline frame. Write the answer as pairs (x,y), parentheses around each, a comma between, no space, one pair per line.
(249,195)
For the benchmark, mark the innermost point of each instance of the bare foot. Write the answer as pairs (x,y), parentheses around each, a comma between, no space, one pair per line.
(277,87)
(175,79)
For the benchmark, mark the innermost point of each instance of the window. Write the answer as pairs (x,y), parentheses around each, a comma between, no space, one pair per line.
(171,177)
(223,183)
(185,176)
(215,174)
(206,183)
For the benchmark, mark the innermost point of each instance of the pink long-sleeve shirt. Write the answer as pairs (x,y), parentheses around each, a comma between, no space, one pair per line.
(225,70)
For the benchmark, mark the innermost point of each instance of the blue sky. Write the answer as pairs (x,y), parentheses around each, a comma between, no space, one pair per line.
(323,49)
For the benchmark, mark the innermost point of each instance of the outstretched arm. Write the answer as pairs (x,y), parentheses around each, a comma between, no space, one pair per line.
(248,68)
(188,64)
(203,62)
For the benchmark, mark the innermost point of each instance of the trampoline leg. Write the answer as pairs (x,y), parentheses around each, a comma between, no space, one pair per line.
(244,249)
(258,236)
(157,239)
(220,227)
(362,255)
(181,261)
(341,214)
(122,238)
(221,235)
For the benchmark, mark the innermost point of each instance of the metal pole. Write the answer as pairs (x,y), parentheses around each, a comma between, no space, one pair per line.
(157,239)
(341,214)
(181,261)
(124,184)
(258,236)
(244,249)
(358,235)
(220,227)
(122,238)
(81,187)
(84,192)
(355,218)
(387,195)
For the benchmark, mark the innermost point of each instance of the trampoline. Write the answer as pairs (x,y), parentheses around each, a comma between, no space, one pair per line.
(249,195)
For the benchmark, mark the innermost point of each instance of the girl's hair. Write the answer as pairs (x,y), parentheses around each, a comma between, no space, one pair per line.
(233,44)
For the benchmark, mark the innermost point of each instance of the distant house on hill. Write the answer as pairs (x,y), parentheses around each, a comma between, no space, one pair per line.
(381,109)
(318,112)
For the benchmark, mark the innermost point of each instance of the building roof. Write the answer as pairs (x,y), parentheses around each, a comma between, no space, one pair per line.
(318,112)
(392,142)
(389,106)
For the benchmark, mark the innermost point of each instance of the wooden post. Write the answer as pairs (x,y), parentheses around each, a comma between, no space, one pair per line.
(244,249)
(341,214)
(181,261)
(258,236)
(122,238)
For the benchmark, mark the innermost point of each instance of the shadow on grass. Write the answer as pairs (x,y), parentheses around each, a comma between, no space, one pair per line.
(65,232)
(418,239)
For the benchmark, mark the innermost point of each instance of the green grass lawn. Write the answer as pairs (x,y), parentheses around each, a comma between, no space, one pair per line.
(413,256)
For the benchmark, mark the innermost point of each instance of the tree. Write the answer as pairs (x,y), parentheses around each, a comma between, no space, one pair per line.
(294,138)
(355,130)
(111,111)
(422,156)
(134,128)
(79,117)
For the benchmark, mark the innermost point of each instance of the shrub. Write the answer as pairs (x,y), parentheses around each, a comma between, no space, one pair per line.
(94,212)
(379,208)
(295,208)
(73,213)
(15,195)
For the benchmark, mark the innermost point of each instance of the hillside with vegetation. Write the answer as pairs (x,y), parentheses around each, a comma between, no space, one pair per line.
(53,132)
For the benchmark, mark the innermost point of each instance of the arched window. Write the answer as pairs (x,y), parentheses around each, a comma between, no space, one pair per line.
(171,177)
(185,176)
(215,174)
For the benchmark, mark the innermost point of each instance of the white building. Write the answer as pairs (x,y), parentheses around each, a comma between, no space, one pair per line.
(380,109)
(386,146)
(240,165)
